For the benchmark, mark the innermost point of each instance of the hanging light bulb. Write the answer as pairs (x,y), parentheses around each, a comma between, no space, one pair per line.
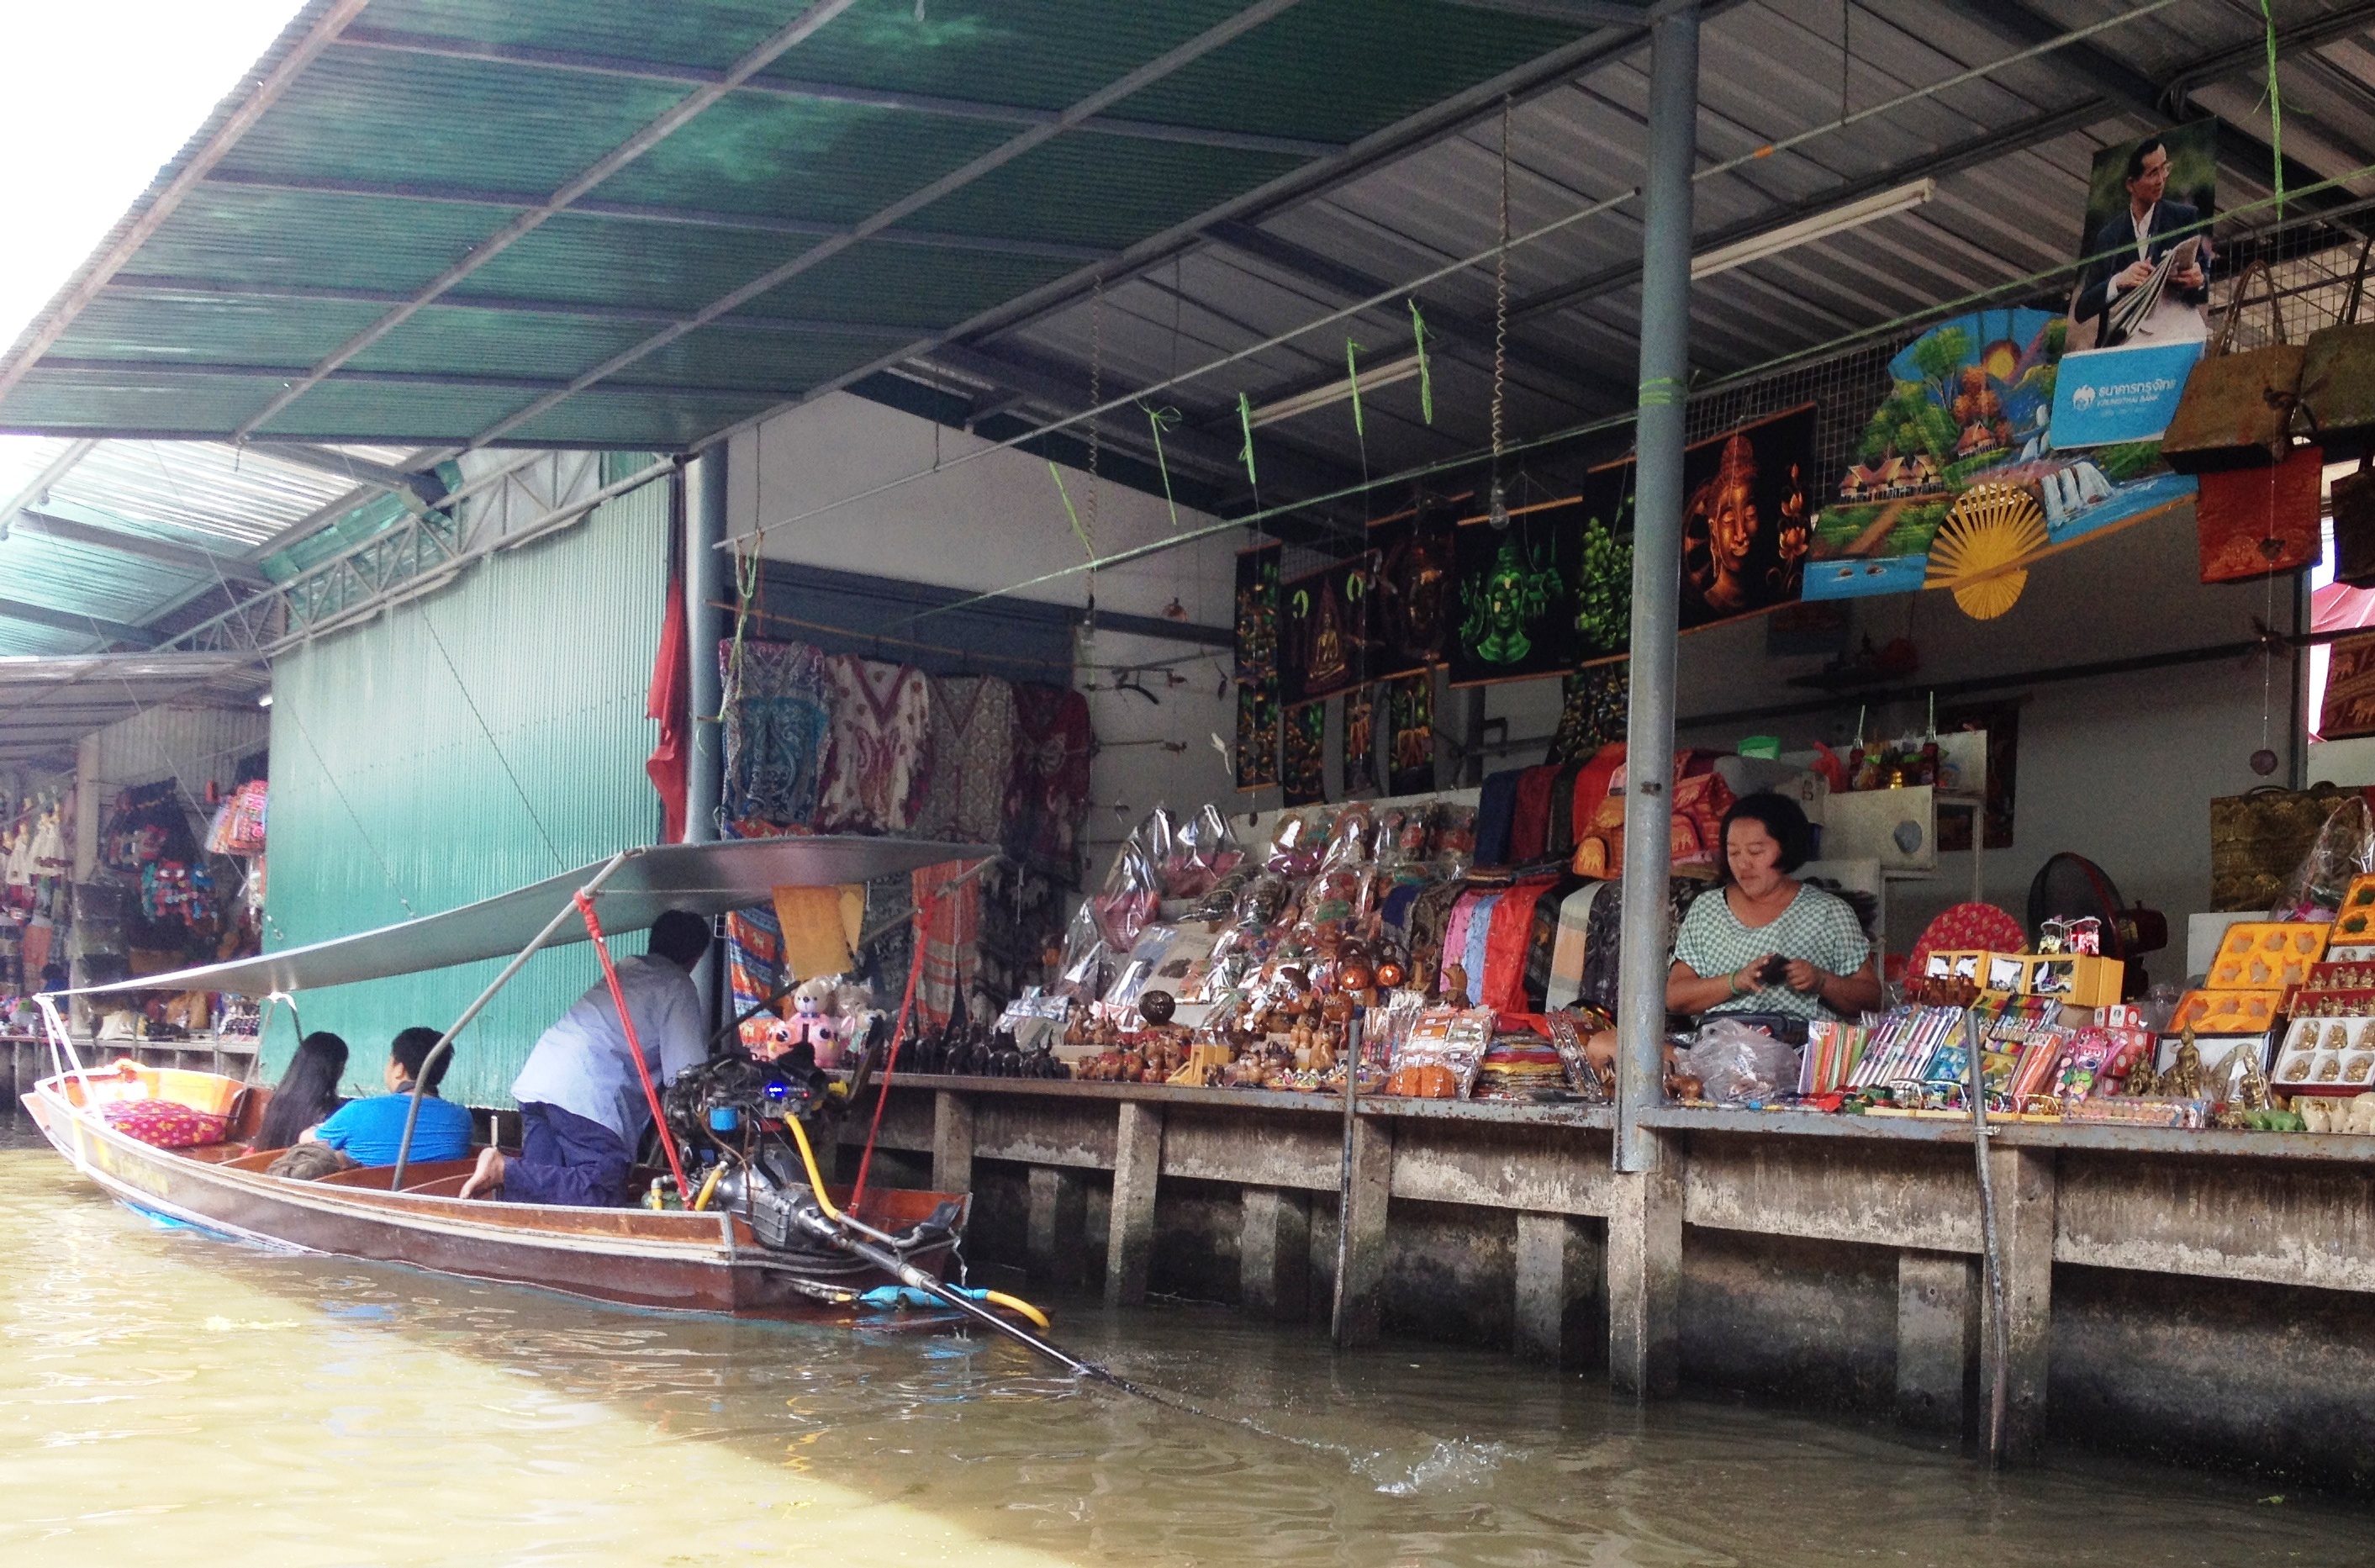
(1496,509)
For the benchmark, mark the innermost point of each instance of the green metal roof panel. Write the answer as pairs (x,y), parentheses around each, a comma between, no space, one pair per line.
(136,400)
(1337,70)
(365,115)
(483,342)
(899,284)
(227,234)
(343,410)
(709,34)
(621,262)
(607,417)
(726,357)
(398,151)
(213,331)
(800,158)
(1098,190)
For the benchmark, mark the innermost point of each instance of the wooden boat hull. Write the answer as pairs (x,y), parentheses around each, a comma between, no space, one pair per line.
(668,1260)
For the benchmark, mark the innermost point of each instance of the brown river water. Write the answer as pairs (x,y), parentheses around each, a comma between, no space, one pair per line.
(167,1398)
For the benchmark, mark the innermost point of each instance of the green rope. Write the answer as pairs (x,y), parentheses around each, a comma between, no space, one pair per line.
(1425,376)
(1155,420)
(1079,531)
(1245,423)
(1353,374)
(2275,110)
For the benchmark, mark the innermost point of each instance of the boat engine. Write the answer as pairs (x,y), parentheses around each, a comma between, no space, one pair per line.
(725,1104)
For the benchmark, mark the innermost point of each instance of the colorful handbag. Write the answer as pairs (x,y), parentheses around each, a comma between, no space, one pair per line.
(2338,386)
(2354,524)
(2236,411)
(2254,523)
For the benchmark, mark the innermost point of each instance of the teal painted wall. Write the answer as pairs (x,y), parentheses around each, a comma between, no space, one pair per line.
(395,750)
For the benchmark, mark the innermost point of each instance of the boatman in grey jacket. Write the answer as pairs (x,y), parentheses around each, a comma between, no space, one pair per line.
(581,1106)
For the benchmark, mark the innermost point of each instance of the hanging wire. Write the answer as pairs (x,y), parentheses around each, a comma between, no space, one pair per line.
(2016,289)
(493,745)
(1497,508)
(1557,225)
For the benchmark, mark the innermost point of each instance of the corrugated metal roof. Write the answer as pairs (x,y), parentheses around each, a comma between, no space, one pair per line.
(983,149)
(114,535)
(1262,178)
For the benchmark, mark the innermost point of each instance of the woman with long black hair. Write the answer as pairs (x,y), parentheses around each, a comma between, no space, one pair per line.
(307,1092)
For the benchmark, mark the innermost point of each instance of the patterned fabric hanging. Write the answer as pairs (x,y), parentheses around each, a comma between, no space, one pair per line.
(777,724)
(948,922)
(973,761)
(1052,740)
(1598,698)
(880,762)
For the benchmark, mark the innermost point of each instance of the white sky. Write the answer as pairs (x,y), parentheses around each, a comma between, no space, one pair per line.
(95,94)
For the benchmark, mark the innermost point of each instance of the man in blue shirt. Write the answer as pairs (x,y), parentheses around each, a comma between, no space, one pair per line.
(371,1131)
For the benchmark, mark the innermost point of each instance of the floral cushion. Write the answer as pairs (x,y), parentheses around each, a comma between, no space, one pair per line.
(165,1124)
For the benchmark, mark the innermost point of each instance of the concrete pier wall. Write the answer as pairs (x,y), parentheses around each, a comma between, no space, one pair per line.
(2195,1297)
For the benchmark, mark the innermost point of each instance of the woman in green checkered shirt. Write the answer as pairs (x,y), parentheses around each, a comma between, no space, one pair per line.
(1762,913)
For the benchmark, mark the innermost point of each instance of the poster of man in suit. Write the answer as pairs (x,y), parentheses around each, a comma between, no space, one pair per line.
(2146,241)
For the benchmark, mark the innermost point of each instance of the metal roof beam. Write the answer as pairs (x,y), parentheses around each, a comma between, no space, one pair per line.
(186,558)
(1985,147)
(183,370)
(671,120)
(644,212)
(159,286)
(1474,332)
(67,620)
(2313,34)
(781,86)
(1056,386)
(36,491)
(2097,69)
(1544,73)
(416,489)
(1163,65)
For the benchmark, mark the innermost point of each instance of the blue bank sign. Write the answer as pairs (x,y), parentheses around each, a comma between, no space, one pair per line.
(2106,395)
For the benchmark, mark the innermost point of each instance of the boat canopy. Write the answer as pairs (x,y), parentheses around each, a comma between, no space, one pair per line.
(705,878)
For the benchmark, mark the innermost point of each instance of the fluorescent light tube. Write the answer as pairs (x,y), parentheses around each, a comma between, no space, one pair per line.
(1854,215)
(1385,373)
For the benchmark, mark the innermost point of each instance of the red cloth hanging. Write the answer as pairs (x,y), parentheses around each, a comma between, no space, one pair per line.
(1506,946)
(670,703)
(1529,823)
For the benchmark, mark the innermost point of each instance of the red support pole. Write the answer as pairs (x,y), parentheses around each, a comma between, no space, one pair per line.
(635,1046)
(914,979)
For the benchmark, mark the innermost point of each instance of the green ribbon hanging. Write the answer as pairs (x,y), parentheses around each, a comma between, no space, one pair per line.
(1353,374)
(1078,532)
(2275,110)
(1156,418)
(1245,423)
(1425,376)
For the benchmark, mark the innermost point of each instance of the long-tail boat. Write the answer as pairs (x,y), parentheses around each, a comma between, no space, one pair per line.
(768,1235)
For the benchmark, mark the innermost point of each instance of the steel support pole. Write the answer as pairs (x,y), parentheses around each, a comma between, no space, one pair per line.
(1657,573)
(705,589)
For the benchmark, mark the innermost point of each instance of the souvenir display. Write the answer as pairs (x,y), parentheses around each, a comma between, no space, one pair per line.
(1360,764)
(1256,668)
(1323,641)
(1970,411)
(1305,775)
(1593,705)
(1514,615)
(1411,612)
(1409,718)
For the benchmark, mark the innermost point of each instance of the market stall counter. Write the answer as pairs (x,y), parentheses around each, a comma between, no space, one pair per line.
(1813,1226)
